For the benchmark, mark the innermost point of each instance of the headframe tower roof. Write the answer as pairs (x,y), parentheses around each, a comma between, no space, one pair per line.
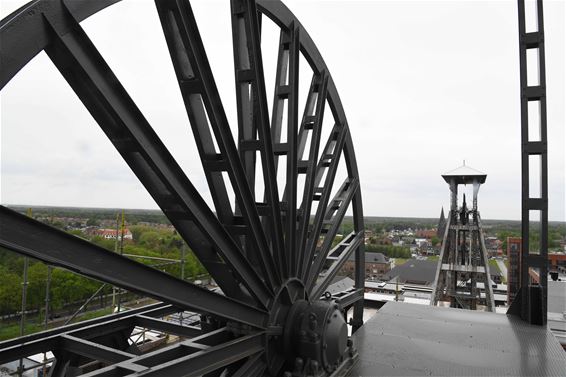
(464,175)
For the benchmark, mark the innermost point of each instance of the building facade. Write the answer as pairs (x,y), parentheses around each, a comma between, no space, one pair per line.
(514,269)
(377,266)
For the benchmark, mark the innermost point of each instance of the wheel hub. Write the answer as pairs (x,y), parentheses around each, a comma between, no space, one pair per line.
(317,334)
(314,334)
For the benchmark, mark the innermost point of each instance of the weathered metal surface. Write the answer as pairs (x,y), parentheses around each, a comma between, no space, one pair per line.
(532,302)
(418,340)
(264,254)
(463,255)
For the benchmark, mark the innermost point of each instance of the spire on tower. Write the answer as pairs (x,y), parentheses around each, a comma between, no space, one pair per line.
(441,224)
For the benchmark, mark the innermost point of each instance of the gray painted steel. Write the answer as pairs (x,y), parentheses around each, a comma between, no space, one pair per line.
(419,340)
(531,300)
(463,255)
(264,252)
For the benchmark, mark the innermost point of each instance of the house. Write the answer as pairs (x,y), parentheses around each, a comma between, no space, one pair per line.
(376,266)
(111,234)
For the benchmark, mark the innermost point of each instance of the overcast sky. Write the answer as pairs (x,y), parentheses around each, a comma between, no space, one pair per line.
(424,85)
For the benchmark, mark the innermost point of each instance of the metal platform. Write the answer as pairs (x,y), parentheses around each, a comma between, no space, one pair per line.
(418,340)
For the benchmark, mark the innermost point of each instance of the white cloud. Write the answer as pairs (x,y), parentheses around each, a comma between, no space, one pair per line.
(424,85)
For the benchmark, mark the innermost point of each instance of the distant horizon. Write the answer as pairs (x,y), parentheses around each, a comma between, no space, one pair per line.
(159,210)
(414,111)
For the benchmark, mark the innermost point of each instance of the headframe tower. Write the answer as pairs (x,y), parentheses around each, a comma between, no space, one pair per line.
(463,256)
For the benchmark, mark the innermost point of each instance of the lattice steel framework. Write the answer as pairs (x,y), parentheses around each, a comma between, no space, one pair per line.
(272,260)
(463,256)
(531,300)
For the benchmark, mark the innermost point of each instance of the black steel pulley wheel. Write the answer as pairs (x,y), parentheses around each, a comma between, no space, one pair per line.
(273,254)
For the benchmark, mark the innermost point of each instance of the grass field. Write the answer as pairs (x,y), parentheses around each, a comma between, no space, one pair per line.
(400,261)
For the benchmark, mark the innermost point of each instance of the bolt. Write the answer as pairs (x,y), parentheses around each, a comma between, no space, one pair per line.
(299,364)
(314,366)
(324,346)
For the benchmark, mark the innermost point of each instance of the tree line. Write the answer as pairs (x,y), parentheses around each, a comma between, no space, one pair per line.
(67,287)
(389,250)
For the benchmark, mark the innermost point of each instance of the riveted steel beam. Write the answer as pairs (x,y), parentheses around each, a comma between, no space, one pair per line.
(34,239)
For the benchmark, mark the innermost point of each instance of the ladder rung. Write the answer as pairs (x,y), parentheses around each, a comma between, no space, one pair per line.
(245,75)
(535,203)
(286,39)
(238,220)
(534,147)
(532,40)
(239,9)
(310,121)
(191,86)
(240,230)
(283,91)
(215,162)
(302,166)
(280,148)
(262,209)
(251,145)
(533,92)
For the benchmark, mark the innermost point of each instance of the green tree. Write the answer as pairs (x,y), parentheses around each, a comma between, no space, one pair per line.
(435,240)
(92,222)
(10,291)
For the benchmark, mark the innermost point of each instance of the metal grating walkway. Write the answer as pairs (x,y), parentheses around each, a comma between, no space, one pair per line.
(418,340)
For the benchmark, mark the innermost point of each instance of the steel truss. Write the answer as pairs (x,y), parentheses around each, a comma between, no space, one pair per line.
(272,260)
(532,299)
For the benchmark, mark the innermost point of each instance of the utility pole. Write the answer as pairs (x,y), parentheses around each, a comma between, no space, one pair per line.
(183,250)
(115,250)
(121,250)
(24,299)
(47,299)
(46,319)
